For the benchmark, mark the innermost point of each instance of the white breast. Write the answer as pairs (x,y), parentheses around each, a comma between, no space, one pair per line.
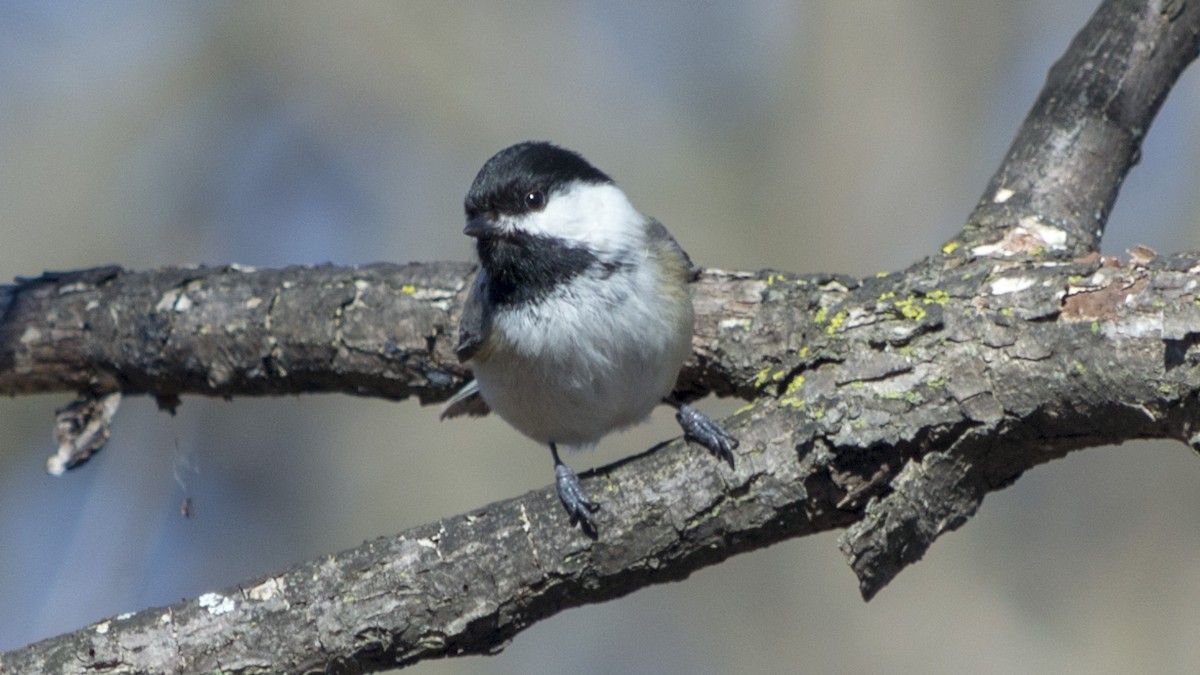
(594,356)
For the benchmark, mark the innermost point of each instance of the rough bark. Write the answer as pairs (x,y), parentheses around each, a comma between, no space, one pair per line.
(887,406)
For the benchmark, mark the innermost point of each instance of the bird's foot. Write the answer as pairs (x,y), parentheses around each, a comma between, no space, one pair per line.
(570,493)
(701,428)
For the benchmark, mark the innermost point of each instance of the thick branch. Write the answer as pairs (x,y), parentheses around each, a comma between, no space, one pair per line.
(890,406)
(383,330)
(1062,174)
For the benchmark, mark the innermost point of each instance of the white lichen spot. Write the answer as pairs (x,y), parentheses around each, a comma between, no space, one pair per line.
(76,287)
(219,374)
(253,302)
(1030,235)
(167,301)
(985,250)
(267,590)
(1002,195)
(174,300)
(216,604)
(437,298)
(102,628)
(1139,326)
(1006,285)
(1053,237)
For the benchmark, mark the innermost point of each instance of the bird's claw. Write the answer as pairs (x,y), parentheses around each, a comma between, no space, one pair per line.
(570,493)
(702,429)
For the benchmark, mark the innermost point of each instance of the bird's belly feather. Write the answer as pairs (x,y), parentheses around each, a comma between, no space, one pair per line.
(567,375)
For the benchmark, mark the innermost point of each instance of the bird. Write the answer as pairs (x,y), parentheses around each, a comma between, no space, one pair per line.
(580,316)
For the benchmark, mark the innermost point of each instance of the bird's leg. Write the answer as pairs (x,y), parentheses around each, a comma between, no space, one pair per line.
(570,493)
(701,428)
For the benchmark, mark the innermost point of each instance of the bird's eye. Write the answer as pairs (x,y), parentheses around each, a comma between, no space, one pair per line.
(535,200)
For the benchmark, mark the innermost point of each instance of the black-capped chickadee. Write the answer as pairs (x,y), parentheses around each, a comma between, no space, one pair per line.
(580,317)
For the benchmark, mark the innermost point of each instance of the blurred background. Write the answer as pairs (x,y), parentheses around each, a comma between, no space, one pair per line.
(802,136)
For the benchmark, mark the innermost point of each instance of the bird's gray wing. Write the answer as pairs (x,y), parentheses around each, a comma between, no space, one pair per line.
(474,326)
(659,234)
(472,333)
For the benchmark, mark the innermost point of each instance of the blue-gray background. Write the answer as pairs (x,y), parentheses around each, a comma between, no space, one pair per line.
(803,136)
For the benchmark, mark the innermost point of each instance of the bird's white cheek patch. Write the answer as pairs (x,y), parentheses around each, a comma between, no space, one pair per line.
(596,216)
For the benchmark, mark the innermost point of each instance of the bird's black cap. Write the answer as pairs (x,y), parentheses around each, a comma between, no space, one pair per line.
(505,180)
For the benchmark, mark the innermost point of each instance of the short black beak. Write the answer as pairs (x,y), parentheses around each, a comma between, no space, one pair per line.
(478,227)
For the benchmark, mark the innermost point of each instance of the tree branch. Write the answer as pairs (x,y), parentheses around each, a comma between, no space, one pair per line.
(888,406)
(893,405)
(1062,174)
